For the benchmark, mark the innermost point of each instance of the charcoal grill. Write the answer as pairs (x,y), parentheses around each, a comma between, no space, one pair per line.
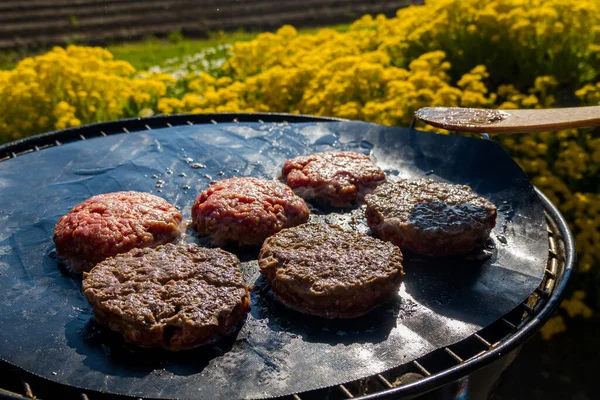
(467,369)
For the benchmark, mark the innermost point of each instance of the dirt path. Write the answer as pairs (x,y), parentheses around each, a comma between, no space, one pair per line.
(37,23)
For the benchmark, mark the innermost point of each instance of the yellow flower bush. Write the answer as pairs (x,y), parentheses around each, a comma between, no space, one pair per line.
(517,39)
(68,87)
(554,326)
(492,54)
(357,86)
(573,307)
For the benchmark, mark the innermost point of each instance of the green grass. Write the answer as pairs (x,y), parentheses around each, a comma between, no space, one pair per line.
(154,52)
(151,52)
(144,54)
(10,58)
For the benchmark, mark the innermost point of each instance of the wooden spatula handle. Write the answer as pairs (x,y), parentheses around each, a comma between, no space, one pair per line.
(509,121)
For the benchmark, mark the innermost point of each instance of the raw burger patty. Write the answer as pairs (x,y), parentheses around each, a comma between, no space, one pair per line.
(430,218)
(112,223)
(338,178)
(323,270)
(174,296)
(246,210)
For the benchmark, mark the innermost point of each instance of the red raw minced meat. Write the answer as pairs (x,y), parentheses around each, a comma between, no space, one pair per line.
(338,178)
(246,210)
(112,223)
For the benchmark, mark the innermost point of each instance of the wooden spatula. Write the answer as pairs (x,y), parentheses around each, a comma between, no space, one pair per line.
(509,121)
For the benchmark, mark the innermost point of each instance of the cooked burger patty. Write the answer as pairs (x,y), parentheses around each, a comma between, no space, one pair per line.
(430,218)
(174,296)
(338,178)
(112,223)
(323,270)
(246,210)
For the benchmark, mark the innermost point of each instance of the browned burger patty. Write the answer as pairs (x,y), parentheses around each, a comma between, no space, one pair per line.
(112,223)
(246,210)
(430,218)
(174,296)
(323,270)
(338,178)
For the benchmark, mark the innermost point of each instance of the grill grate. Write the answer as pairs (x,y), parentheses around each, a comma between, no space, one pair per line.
(432,370)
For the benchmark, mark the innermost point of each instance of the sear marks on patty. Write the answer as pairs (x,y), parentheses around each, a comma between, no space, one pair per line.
(246,210)
(338,178)
(112,223)
(323,270)
(174,296)
(430,218)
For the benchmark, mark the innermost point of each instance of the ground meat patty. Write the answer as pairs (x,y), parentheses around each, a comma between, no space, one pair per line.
(174,296)
(338,178)
(246,210)
(112,223)
(323,270)
(430,218)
